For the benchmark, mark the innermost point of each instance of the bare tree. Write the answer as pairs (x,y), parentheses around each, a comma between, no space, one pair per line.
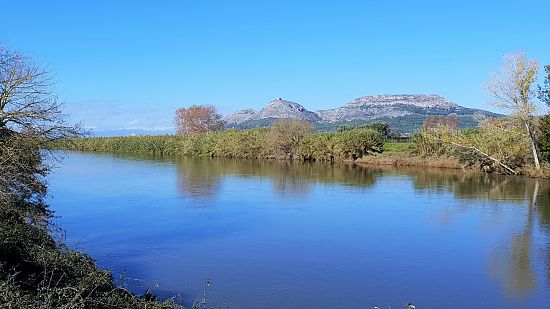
(197,119)
(512,89)
(30,118)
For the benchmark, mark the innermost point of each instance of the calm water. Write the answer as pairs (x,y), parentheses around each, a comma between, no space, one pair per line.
(288,235)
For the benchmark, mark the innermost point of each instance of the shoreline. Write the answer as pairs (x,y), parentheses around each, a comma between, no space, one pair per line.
(402,160)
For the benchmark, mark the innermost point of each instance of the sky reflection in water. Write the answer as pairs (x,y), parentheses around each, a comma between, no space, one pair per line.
(292,235)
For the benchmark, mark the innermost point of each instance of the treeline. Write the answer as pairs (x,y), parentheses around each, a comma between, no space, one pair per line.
(286,139)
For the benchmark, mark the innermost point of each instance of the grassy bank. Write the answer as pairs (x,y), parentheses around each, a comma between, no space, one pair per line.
(273,143)
(403,154)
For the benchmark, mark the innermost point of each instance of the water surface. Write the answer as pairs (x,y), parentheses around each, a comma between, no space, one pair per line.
(291,235)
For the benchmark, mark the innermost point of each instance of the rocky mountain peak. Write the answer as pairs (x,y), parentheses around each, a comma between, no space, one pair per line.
(280,109)
(416,100)
(401,110)
(240,116)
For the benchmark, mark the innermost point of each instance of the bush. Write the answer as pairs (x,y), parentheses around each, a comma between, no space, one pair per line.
(285,140)
(544,137)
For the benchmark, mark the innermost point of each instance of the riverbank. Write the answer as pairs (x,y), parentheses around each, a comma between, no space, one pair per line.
(360,146)
(37,270)
(401,154)
(277,142)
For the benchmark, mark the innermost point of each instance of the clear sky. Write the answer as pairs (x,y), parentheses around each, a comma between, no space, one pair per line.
(122,64)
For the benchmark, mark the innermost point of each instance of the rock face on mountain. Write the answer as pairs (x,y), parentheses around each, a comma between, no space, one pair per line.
(391,106)
(404,113)
(240,116)
(276,109)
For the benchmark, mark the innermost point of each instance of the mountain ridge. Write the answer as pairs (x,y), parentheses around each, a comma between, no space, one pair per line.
(405,111)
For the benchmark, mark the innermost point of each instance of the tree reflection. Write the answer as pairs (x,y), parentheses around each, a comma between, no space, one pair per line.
(512,264)
(203,176)
(198,178)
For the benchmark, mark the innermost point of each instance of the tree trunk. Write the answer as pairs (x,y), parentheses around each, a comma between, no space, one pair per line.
(486,155)
(533,146)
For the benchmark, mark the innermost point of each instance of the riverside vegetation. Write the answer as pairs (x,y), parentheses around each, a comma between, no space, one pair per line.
(497,145)
(286,139)
(37,270)
(514,144)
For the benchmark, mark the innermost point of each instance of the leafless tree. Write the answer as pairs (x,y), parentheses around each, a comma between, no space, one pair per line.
(30,118)
(512,89)
(197,119)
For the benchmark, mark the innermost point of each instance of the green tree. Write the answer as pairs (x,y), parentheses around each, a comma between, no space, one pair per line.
(285,136)
(544,137)
(544,91)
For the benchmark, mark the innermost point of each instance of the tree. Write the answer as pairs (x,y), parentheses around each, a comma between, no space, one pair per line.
(544,137)
(30,118)
(435,122)
(197,119)
(544,91)
(36,271)
(512,90)
(498,141)
(285,136)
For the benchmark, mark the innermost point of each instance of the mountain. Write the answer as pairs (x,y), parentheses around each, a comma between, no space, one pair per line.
(404,113)
(273,111)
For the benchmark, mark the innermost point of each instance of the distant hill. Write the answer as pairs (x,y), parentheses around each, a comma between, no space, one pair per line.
(130,132)
(404,113)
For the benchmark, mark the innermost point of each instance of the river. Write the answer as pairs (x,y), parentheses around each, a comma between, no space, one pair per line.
(272,234)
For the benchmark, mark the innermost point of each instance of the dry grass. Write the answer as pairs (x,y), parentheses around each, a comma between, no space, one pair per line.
(407,159)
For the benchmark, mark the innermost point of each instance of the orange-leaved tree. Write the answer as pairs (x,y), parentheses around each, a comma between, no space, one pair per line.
(197,119)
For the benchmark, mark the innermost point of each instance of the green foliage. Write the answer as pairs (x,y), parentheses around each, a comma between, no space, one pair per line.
(398,147)
(285,142)
(354,144)
(544,137)
(544,91)
(318,147)
(381,127)
(38,272)
(495,144)
(428,143)
(284,137)
(500,139)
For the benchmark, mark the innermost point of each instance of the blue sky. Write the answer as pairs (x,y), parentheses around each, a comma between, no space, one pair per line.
(130,64)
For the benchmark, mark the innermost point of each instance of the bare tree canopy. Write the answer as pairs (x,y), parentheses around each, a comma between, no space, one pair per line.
(30,117)
(512,89)
(28,103)
(197,119)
